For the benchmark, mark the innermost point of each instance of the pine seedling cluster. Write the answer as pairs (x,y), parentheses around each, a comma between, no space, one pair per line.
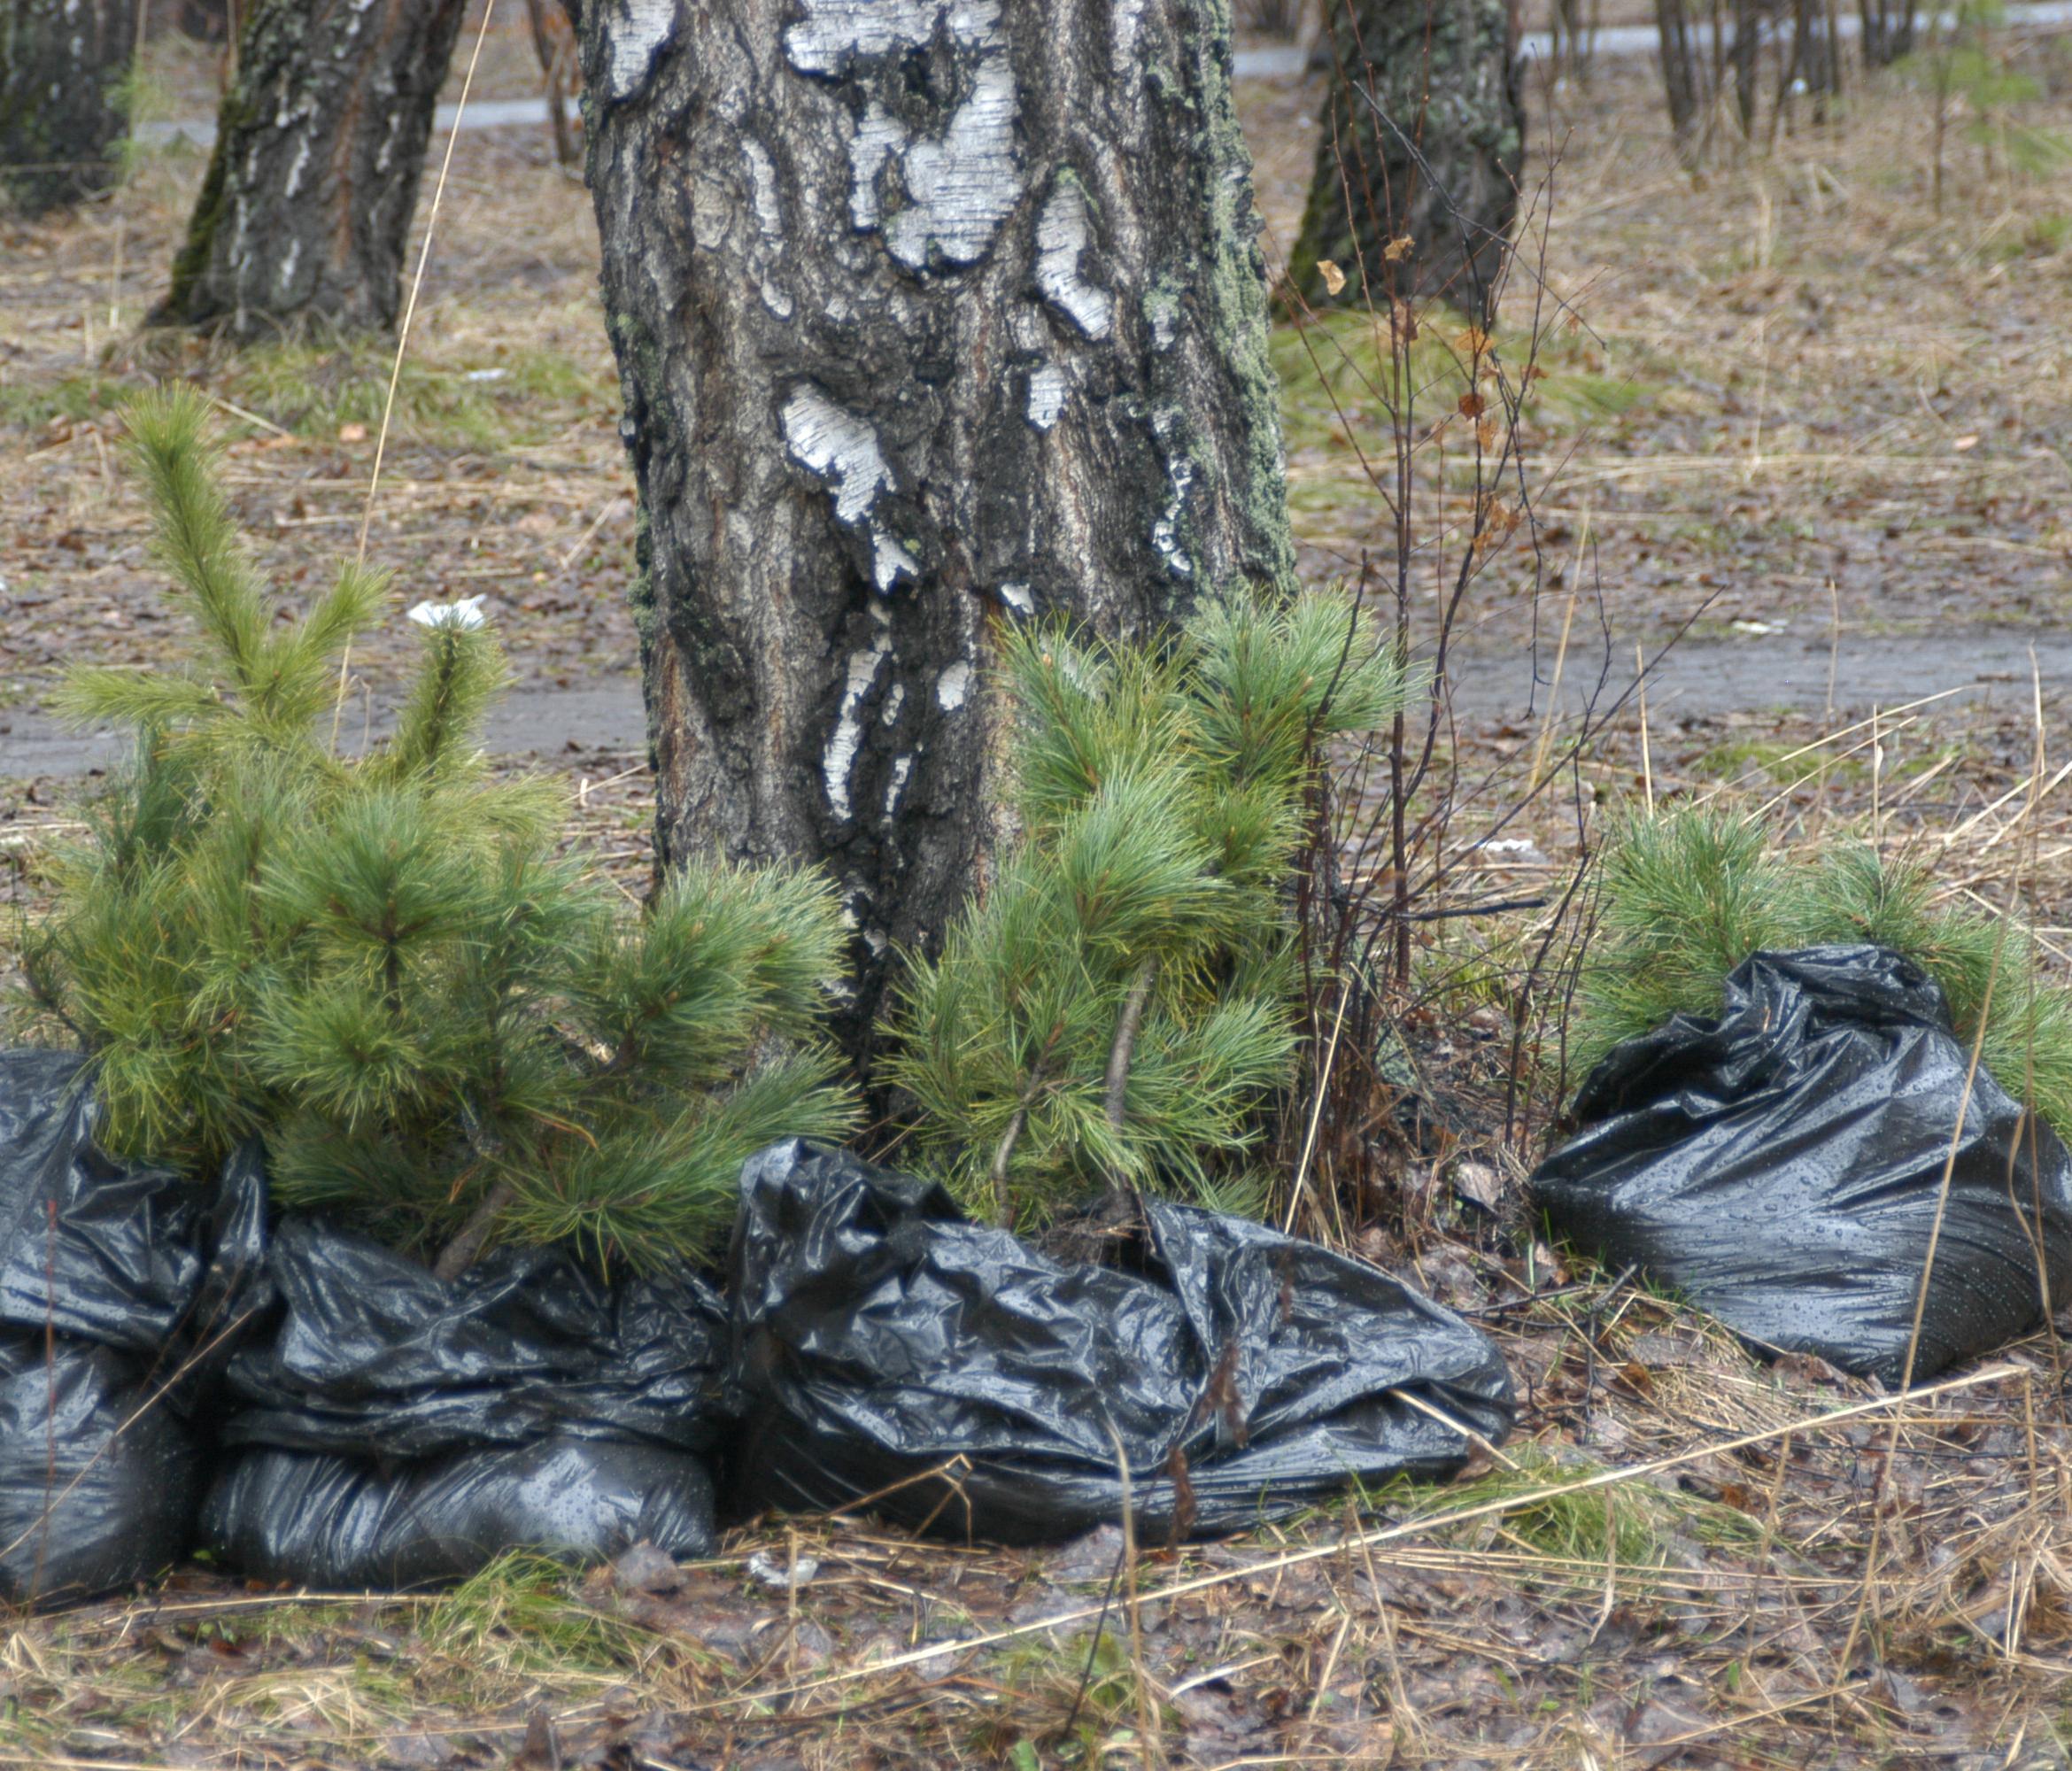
(1689,893)
(379,965)
(1122,1005)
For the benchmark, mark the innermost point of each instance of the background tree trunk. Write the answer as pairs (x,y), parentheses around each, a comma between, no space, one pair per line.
(1445,74)
(63,111)
(929,314)
(1888,31)
(205,21)
(319,146)
(553,40)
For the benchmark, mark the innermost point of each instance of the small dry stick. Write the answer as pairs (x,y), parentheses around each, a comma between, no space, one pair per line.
(1302,1174)
(1927,1268)
(1639,681)
(1146,1711)
(1391,1533)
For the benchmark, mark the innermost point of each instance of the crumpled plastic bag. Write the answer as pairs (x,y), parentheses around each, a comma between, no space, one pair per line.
(98,1477)
(878,1337)
(401,1428)
(339,1523)
(115,1253)
(1781,1166)
(121,1292)
(373,1353)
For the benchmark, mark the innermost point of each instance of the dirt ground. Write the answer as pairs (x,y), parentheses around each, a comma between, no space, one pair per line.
(1802,420)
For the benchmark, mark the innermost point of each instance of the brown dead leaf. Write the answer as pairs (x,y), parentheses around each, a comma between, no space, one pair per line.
(353,433)
(1398,249)
(1333,278)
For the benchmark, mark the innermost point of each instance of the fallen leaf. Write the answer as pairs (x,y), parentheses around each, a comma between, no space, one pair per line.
(353,433)
(646,1569)
(1479,1184)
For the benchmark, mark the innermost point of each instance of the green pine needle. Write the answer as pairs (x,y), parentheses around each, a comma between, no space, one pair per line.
(1162,792)
(379,964)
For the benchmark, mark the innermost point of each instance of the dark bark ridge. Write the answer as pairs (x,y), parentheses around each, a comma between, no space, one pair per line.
(304,212)
(64,108)
(1446,174)
(929,314)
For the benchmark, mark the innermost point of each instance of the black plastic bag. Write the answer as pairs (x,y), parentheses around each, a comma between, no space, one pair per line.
(89,1246)
(122,1290)
(879,1336)
(374,1354)
(346,1523)
(98,1476)
(404,1428)
(1781,1166)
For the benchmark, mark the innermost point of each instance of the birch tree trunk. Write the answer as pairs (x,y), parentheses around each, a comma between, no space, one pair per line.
(319,148)
(1439,165)
(931,315)
(63,111)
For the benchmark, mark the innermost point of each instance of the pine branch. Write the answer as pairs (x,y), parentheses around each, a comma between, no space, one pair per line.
(1125,1039)
(459,1254)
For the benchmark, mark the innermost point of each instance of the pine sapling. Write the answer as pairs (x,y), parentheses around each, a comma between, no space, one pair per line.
(378,964)
(1121,1007)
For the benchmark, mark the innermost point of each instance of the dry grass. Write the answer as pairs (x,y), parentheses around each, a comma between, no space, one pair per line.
(1792,377)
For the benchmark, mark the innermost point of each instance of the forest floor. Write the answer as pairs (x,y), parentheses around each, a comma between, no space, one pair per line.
(1816,429)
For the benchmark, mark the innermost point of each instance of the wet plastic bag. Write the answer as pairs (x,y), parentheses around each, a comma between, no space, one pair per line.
(346,1523)
(98,1476)
(401,1427)
(1781,1167)
(89,1246)
(121,1289)
(889,1351)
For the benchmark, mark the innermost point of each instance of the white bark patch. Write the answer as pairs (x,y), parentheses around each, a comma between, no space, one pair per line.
(902,767)
(966,184)
(635,33)
(838,446)
(1017,597)
(953,688)
(770,218)
(839,758)
(960,184)
(895,697)
(842,449)
(1049,389)
(1126,25)
(890,561)
(835,34)
(1064,231)
(1167,423)
(763,187)
(879,135)
(1165,532)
